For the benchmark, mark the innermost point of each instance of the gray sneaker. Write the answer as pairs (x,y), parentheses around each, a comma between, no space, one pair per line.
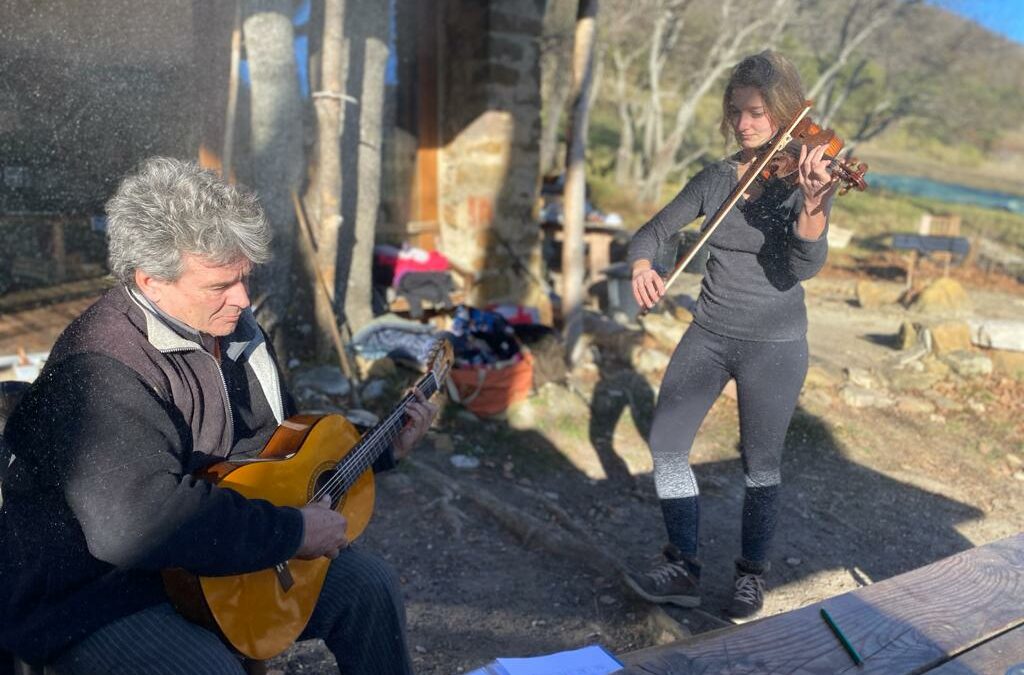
(671,581)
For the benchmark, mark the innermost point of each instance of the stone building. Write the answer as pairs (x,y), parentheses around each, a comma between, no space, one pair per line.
(91,88)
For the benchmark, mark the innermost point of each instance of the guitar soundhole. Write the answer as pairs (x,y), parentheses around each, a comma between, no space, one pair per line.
(324,476)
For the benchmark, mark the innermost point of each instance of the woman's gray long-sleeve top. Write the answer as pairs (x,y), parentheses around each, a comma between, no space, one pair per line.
(751,288)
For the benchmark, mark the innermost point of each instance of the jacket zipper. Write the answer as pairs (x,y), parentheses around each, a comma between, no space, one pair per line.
(223,391)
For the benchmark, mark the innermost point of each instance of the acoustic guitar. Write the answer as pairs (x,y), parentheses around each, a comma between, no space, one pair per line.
(260,614)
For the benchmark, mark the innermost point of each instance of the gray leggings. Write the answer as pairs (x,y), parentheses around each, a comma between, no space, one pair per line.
(359,615)
(768,377)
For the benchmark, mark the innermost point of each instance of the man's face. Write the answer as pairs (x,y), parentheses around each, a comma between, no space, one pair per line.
(207,296)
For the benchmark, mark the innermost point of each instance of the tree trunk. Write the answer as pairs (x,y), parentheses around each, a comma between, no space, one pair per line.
(556,71)
(369,40)
(276,149)
(627,139)
(330,110)
(575,183)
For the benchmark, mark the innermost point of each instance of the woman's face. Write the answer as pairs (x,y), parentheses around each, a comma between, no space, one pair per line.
(749,118)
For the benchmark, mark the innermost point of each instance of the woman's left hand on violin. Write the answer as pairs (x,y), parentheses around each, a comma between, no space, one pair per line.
(814,177)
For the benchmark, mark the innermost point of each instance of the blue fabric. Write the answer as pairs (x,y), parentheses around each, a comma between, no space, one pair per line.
(480,337)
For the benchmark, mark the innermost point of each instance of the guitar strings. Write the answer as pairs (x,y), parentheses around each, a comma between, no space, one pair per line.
(387,428)
(360,459)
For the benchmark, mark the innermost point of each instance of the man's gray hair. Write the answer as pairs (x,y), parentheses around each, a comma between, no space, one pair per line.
(168,208)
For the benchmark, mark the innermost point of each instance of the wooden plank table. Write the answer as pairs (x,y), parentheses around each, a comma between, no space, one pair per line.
(597,239)
(962,614)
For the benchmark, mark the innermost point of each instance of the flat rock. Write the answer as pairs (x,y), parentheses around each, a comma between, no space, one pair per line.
(324,379)
(865,379)
(969,364)
(950,336)
(915,405)
(943,403)
(942,296)
(859,397)
(902,380)
(998,334)
(874,294)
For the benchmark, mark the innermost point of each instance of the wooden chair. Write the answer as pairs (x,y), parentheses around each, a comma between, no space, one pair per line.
(947,225)
(941,226)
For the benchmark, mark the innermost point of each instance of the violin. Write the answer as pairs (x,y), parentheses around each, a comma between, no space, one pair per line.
(784,164)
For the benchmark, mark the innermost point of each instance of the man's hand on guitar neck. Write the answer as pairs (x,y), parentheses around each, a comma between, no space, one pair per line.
(323,531)
(420,415)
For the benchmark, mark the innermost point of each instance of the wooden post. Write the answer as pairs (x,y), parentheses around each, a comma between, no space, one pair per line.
(425,180)
(575,180)
(330,111)
(212,24)
(229,115)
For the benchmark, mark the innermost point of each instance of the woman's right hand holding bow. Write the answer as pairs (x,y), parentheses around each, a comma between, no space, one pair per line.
(648,286)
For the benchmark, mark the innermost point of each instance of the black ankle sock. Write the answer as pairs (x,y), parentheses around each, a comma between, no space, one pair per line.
(760,515)
(682,521)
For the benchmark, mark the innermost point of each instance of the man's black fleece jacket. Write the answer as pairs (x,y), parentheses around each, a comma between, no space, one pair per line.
(101,498)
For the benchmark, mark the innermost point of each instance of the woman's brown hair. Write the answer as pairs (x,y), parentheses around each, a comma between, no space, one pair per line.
(777,80)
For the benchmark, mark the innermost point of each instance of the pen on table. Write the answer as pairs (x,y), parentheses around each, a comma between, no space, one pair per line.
(842,638)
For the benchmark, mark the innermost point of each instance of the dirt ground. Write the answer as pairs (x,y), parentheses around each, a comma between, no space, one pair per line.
(868,493)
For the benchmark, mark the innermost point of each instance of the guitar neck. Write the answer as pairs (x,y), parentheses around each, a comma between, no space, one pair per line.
(373,444)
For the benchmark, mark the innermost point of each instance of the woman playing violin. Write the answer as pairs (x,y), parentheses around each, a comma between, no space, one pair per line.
(749,324)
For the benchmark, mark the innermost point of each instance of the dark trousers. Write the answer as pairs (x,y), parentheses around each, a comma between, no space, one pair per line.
(360,616)
(769,376)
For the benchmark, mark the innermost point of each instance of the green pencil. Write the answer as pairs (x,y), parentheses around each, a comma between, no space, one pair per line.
(842,638)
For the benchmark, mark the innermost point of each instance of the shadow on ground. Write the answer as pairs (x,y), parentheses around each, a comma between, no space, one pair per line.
(475,591)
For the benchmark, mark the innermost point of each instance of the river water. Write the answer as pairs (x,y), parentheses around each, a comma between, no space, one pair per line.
(948,192)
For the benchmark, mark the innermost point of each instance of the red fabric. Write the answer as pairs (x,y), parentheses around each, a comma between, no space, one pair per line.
(418,260)
(516,314)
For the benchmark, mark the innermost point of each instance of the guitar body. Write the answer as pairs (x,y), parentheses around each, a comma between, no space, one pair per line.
(262,613)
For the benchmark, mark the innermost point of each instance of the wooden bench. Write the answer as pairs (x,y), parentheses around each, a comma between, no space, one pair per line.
(962,614)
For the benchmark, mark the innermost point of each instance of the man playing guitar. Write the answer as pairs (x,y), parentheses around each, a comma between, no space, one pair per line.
(167,373)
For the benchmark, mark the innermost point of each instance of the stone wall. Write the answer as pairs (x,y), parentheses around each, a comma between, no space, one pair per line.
(490,128)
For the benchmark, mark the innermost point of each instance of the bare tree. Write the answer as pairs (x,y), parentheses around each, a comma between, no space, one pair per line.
(663,152)
(275,148)
(911,84)
(836,80)
(657,105)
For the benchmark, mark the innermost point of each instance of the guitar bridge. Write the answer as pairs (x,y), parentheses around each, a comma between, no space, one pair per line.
(284,576)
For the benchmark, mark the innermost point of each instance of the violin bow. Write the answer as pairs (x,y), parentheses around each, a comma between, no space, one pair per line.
(781,140)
